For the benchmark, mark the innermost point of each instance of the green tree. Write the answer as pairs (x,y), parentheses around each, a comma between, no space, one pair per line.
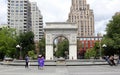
(7,42)
(32,54)
(90,53)
(79,46)
(62,47)
(26,41)
(109,49)
(113,34)
(97,48)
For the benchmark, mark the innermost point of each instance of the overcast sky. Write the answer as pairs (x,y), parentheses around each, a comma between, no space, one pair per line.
(57,11)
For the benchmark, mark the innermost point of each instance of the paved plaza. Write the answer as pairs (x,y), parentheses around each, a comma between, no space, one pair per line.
(61,70)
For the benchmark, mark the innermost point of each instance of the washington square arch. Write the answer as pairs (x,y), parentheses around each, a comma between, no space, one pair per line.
(56,29)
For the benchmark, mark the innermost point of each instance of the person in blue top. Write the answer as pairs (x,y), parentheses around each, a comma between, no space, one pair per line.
(42,62)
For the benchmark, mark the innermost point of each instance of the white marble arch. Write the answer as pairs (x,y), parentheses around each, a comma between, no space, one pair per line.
(56,29)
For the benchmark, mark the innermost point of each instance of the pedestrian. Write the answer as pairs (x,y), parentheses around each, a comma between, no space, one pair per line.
(118,60)
(112,60)
(26,61)
(40,62)
(107,59)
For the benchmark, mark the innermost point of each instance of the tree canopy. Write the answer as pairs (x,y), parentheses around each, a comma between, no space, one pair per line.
(26,41)
(112,38)
(42,46)
(62,47)
(7,42)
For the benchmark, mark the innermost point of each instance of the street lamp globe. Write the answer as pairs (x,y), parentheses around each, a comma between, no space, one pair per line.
(104,45)
(18,46)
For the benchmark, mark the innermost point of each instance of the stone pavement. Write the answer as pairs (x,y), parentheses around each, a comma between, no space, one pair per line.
(61,70)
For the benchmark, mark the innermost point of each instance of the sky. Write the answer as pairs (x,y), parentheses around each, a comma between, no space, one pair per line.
(58,10)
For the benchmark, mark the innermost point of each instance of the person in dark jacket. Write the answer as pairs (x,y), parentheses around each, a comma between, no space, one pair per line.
(26,61)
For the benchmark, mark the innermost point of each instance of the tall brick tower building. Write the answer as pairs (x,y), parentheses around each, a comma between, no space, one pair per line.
(81,14)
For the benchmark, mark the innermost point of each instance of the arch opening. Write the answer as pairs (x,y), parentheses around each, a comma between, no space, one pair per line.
(61,47)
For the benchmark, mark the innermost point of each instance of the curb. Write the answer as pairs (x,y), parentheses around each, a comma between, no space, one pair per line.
(57,64)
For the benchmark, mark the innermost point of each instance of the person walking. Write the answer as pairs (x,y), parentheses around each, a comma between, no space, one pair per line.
(40,62)
(26,61)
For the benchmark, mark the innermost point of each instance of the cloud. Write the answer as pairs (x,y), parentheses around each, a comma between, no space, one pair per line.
(3,12)
(104,8)
(58,10)
(55,10)
(101,25)
(103,12)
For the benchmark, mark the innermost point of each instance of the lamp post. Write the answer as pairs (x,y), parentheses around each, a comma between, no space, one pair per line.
(104,46)
(20,48)
(100,50)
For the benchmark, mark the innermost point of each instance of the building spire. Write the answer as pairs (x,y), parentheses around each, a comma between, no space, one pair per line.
(78,4)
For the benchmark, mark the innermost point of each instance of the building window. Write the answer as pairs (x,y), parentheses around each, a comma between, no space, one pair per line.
(12,4)
(21,13)
(81,16)
(86,44)
(90,43)
(17,4)
(17,1)
(21,7)
(12,10)
(21,4)
(12,23)
(16,14)
(88,38)
(21,1)
(25,27)
(12,1)
(16,10)
(79,2)
(16,7)
(81,22)
(82,44)
(21,10)
(21,20)
(12,7)
(25,4)
(81,39)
